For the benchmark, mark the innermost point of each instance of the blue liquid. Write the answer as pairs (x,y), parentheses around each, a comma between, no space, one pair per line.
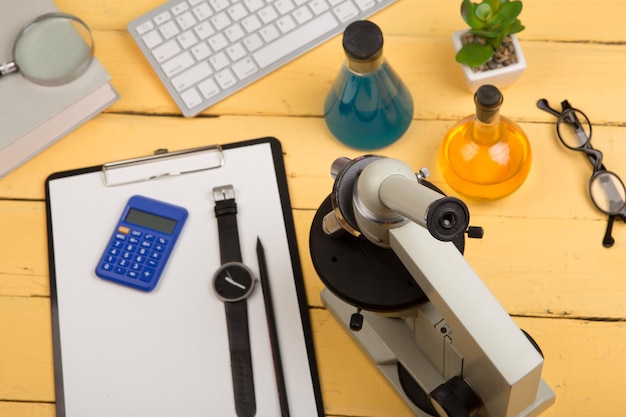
(368,111)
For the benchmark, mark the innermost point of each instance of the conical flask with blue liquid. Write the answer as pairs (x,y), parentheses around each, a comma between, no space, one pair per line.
(368,106)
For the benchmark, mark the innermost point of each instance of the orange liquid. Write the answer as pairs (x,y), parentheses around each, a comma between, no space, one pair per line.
(485,161)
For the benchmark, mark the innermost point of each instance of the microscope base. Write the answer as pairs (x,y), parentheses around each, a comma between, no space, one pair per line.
(391,345)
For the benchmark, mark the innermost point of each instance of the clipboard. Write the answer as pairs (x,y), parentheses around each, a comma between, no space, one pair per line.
(123,352)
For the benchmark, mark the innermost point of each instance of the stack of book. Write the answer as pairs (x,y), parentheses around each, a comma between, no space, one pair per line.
(32,116)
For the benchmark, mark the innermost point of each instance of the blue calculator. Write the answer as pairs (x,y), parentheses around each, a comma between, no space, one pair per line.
(141,243)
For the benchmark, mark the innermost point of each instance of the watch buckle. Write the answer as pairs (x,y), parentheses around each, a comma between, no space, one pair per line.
(223,192)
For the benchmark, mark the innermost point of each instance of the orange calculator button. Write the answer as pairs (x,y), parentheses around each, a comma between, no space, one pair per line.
(123,229)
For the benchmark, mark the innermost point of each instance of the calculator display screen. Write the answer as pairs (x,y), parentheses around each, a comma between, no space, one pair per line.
(151,221)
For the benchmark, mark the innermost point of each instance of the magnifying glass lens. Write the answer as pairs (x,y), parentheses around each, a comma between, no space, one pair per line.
(54,49)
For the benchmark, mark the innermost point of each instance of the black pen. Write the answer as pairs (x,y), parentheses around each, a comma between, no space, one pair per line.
(271,324)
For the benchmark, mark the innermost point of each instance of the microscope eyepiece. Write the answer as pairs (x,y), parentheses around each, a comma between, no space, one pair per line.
(447,218)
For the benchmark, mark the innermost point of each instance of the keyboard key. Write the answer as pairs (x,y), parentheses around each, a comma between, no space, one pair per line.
(318,6)
(186,20)
(189,78)
(283,6)
(178,64)
(204,30)
(253,42)
(218,42)
(237,12)
(365,4)
(166,51)
(268,14)
(293,40)
(302,15)
(180,8)
(208,88)
(286,24)
(225,79)
(202,11)
(219,5)
(269,33)
(219,61)
(234,33)
(236,52)
(169,30)
(152,39)
(145,27)
(346,11)
(253,5)
(201,51)
(220,21)
(245,68)
(187,39)
(251,23)
(162,18)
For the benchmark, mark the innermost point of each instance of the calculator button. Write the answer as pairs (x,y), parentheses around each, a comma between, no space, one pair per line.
(114,252)
(147,274)
(155,255)
(159,248)
(133,240)
(123,262)
(123,230)
(140,259)
(149,237)
(135,266)
(136,233)
(127,255)
(107,266)
(152,263)
(133,274)
(161,241)
(146,244)
(120,270)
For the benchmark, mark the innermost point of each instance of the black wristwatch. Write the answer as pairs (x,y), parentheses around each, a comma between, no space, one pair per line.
(233,283)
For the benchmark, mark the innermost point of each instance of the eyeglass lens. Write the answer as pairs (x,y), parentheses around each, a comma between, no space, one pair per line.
(574,129)
(607,192)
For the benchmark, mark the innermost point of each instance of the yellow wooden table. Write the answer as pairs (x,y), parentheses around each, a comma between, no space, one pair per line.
(541,256)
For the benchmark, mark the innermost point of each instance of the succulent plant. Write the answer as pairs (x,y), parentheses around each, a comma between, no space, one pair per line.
(491,21)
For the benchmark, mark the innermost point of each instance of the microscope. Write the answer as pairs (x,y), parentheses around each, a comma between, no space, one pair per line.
(388,246)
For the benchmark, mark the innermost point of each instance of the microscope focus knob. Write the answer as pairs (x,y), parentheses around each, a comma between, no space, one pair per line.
(454,398)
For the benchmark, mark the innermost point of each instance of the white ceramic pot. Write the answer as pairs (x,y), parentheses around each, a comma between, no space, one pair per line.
(500,77)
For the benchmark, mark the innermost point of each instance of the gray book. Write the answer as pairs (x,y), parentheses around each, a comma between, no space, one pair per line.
(32,116)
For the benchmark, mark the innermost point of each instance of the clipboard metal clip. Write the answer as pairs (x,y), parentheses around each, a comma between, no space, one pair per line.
(162,164)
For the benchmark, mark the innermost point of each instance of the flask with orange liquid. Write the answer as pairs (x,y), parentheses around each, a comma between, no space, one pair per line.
(485,156)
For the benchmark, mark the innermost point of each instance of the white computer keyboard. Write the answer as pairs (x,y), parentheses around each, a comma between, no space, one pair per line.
(205,50)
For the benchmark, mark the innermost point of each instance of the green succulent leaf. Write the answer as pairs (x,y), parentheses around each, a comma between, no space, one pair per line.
(469,15)
(483,12)
(510,11)
(474,54)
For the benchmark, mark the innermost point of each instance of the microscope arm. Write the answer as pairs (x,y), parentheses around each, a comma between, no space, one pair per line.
(499,362)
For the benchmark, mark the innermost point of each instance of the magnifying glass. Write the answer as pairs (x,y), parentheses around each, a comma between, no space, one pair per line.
(53,49)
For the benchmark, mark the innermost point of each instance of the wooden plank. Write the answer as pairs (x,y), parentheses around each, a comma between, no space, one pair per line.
(26,350)
(578,21)
(426,65)
(8,408)
(556,186)
(581,358)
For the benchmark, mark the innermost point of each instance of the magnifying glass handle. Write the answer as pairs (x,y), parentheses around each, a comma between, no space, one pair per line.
(7,68)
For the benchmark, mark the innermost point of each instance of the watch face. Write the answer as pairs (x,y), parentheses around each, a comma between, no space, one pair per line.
(233,281)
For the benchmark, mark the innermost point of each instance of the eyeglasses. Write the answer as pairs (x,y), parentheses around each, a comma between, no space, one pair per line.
(606,189)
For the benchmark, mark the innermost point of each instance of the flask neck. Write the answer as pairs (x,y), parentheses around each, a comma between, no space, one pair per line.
(359,66)
(486,129)
(486,133)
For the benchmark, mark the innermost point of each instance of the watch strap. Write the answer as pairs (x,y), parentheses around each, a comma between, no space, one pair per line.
(240,357)
(226,214)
